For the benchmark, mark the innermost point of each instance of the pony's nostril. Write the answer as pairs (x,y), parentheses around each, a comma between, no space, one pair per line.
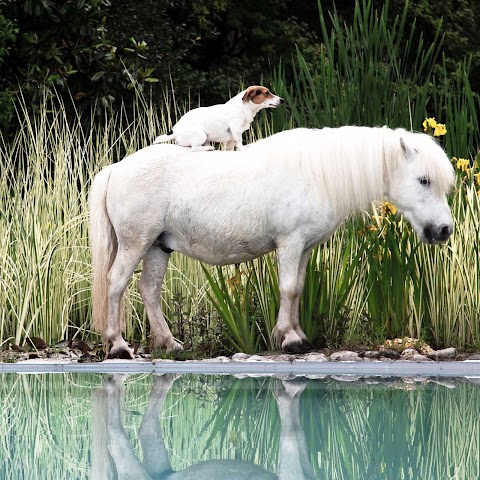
(437,233)
(445,231)
(427,233)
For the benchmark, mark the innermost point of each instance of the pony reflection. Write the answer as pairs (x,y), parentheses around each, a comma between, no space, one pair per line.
(115,458)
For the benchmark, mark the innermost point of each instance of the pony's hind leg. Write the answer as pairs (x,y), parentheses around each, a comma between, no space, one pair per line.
(119,275)
(156,459)
(155,265)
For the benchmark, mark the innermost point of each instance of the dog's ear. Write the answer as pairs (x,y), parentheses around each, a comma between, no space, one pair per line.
(249,93)
(255,93)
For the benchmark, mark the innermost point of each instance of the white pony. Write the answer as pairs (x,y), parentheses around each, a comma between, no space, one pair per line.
(288,192)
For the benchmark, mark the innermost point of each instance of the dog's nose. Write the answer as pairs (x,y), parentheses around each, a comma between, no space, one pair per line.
(281,100)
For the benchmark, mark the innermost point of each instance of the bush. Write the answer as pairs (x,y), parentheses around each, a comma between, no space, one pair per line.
(64,47)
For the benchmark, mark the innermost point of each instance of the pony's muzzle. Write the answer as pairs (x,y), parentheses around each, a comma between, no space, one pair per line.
(440,233)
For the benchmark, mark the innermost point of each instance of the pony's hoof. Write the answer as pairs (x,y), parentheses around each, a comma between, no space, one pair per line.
(121,353)
(175,348)
(307,345)
(288,389)
(294,347)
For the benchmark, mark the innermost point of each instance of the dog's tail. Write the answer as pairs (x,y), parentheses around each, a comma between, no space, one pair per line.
(165,138)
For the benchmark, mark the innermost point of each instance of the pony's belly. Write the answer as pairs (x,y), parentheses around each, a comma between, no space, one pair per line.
(223,259)
(219,253)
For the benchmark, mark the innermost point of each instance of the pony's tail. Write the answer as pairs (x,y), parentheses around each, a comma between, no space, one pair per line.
(165,138)
(104,245)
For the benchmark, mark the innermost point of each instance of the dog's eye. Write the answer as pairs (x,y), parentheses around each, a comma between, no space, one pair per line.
(424,181)
(258,92)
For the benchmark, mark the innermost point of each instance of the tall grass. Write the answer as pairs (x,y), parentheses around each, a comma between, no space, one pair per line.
(450,278)
(44,260)
(358,287)
(45,267)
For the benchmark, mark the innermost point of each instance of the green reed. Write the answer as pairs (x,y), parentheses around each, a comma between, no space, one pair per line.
(367,73)
(247,298)
(404,80)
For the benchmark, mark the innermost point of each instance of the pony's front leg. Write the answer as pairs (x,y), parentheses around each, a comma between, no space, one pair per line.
(293,456)
(287,332)
(155,265)
(296,307)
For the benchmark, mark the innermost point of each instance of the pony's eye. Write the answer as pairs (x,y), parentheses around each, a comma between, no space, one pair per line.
(424,181)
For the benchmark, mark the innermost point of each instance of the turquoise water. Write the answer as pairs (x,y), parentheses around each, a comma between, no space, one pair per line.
(102,427)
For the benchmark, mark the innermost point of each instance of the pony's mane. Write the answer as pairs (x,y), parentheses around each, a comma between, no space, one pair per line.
(351,164)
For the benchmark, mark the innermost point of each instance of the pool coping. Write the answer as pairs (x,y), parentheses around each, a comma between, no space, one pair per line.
(397,368)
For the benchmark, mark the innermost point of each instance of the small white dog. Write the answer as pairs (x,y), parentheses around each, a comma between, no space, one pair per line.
(223,123)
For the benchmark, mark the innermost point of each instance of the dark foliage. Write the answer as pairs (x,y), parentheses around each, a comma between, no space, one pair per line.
(101,51)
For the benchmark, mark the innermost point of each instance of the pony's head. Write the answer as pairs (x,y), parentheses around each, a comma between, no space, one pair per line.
(418,185)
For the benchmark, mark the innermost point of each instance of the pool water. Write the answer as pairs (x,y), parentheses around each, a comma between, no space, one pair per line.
(140,426)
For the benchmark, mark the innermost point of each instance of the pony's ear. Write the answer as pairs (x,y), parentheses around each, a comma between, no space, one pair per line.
(407,150)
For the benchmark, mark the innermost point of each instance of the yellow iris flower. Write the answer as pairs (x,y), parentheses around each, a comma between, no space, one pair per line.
(440,130)
(388,207)
(429,122)
(463,164)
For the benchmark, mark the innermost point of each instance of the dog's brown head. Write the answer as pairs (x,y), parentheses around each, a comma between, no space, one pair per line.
(262,96)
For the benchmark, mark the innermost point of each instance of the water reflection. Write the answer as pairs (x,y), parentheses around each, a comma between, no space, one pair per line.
(114,455)
(104,427)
